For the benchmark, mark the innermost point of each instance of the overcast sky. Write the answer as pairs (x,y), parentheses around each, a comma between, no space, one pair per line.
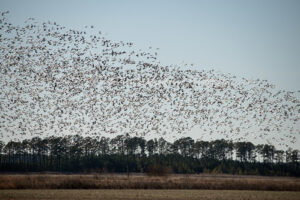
(252,39)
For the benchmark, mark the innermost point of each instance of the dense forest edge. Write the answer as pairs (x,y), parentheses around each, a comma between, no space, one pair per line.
(125,154)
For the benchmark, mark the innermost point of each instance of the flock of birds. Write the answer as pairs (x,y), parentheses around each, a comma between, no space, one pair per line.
(56,80)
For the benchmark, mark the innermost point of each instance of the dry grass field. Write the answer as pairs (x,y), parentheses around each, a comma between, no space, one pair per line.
(140,181)
(147,194)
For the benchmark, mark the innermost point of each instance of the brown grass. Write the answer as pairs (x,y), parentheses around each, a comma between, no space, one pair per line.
(139,181)
(147,195)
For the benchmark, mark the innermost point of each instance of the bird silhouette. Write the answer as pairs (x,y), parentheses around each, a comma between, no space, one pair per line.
(56,80)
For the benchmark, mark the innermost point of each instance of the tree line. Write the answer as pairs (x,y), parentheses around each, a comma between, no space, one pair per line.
(125,154)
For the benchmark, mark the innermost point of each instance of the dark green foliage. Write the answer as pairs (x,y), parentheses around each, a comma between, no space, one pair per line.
(125,154)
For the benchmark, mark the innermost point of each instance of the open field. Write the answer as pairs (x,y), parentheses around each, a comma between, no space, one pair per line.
(147,194)
(141,181)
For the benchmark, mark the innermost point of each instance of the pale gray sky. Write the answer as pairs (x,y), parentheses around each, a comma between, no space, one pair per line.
(252,39)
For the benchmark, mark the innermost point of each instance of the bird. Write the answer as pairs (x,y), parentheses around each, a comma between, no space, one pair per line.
(56,80)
